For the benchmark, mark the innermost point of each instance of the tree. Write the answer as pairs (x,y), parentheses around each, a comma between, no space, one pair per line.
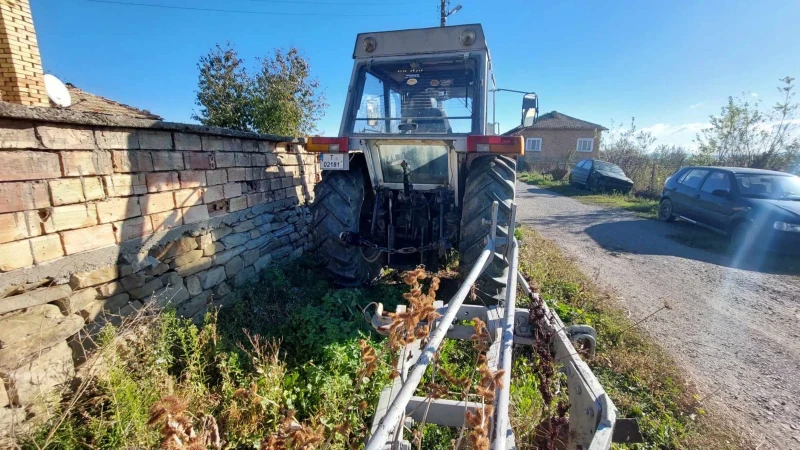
(743,135)
(224,90)
(280,99)
(286,101)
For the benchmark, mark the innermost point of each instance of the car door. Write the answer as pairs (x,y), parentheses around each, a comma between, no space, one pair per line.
(575,174)
(687,192)
(715,206)
(585,171)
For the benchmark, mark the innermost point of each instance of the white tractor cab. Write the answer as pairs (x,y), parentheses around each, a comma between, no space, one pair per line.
(417,165)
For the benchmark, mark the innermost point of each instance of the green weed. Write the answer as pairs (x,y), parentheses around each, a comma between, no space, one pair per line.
(642,206)
(641,379)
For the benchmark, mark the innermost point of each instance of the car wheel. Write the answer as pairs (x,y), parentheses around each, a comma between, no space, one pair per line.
(665,212)
(741,239)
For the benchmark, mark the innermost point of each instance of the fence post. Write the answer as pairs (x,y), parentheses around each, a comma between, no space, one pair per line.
(652,176)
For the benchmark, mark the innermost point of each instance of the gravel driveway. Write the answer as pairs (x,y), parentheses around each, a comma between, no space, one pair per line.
(736,331)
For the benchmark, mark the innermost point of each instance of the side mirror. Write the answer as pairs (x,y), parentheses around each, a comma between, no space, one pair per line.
(530,109)
(721,193)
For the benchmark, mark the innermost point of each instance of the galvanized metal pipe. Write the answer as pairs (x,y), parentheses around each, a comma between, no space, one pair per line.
(397,409)
(501,423)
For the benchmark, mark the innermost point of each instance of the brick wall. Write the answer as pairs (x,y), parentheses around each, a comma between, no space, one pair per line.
(99,217)
(20,64)
(558,146)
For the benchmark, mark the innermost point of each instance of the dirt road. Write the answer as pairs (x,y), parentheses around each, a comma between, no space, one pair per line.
(734,327)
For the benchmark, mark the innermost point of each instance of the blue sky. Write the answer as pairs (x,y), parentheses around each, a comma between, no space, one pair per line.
(669,64)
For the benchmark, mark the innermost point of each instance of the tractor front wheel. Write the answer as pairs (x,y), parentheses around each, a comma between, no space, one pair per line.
(340,206)
(490,178)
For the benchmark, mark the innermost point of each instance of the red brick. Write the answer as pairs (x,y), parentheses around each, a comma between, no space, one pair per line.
(193,178)
(231,144)
(123,185)
(167,160)
(45,248)
(224,159)
(190,142)
(22,196)
(156,203)
(75,190)
(155,140)
(200,161)
(132,228)
(259,160)
(24,165)
(237,174)
(117,209)
(71,216)
(212,143)
(195,214)
(166,220)
(16,134)
(163,181)
(66,137)
(235,204)
(132,161)
(116,140)
(15,255)
(256,199)
(188,197)
(86,163)
(213,194)
(233,190)
(13,227)
(243,159)
(219,176)
(76,241)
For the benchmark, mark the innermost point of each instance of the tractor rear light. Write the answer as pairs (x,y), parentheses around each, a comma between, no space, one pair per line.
(510,145)
(327,144)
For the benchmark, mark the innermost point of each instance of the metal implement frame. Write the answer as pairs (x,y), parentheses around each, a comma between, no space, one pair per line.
(591,412)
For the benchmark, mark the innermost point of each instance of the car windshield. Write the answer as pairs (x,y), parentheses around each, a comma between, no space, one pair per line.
(608,167)
(416,97)
(769,186)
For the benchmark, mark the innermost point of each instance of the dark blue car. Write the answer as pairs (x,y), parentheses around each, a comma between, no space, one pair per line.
(758,209)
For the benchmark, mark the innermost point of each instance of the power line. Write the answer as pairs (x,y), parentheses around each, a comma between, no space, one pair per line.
(293,2)
(191,8)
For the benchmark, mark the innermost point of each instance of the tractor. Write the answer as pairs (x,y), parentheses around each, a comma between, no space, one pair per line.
(417,171)
(417,165)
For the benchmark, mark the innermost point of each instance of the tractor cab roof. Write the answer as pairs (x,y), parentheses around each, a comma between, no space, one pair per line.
(419,41)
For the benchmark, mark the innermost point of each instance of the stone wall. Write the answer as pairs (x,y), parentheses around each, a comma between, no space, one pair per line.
(100,216)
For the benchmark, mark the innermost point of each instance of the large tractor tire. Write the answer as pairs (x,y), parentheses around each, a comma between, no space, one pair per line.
(337,207)
(490,178)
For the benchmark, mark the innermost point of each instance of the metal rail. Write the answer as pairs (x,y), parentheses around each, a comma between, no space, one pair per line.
(502,429)
(397,409)
(592,415)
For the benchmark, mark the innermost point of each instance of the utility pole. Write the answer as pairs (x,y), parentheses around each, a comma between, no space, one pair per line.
(445,11)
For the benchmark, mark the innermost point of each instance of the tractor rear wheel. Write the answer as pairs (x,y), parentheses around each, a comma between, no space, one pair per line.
(490,178)
(340,206)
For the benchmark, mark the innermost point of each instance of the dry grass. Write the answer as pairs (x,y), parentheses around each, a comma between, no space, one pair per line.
(641,378)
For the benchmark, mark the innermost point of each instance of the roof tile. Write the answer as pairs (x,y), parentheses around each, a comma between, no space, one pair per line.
(555,120)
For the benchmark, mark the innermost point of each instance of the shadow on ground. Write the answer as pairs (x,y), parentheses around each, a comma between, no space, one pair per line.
(679,239)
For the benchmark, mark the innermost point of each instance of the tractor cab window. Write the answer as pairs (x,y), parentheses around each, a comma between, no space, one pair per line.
(416,97)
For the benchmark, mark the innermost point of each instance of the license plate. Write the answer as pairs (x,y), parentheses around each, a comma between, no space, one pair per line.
(334,161)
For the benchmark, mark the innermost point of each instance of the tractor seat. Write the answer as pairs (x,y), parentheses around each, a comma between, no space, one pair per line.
(429,120)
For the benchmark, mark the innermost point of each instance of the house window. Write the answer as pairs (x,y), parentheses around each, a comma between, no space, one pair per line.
(585,145)
(533,144)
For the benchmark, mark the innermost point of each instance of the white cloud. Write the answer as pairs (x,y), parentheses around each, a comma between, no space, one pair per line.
(663,130)
(696,105)
(754,94)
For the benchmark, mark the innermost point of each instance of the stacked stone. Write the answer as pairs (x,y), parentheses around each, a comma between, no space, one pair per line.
(96,222)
